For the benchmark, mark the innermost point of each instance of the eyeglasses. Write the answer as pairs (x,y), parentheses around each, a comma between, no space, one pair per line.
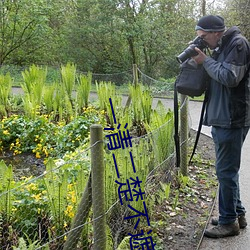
(203,36)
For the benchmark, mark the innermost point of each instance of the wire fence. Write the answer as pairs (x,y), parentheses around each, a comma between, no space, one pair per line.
(56,209)
(158,87)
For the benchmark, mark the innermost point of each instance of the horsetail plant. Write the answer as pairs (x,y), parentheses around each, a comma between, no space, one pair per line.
(107,91)
(161,128)
(33,85)
(6,184)
(5,89)
(83,90)
(68,74)
(141,103)
(48,98)
(56,183)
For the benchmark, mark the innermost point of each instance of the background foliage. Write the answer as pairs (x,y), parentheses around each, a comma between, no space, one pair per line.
(106,36)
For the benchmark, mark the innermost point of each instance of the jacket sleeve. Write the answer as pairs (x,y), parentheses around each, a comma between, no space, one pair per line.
(234,66)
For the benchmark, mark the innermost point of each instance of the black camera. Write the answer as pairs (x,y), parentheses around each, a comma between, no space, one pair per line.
(190,51)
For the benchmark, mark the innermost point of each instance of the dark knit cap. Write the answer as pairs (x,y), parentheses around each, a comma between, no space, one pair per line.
(210,23)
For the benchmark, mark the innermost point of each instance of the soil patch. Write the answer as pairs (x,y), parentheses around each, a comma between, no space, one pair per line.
(182,217)
(25,164)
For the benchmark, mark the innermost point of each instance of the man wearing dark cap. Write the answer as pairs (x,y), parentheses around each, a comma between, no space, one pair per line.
(228,112)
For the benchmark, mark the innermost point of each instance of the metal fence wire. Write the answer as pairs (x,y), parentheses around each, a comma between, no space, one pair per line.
(102,198)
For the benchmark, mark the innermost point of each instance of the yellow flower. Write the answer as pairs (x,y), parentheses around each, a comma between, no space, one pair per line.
(17,152)
(31,187)
(6,132)
(37,196)
(102,112)
(45,151)
(73,199)
(14,209)
(69,211)
(38,156)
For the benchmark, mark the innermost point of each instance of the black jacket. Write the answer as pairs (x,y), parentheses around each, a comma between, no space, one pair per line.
(229,90)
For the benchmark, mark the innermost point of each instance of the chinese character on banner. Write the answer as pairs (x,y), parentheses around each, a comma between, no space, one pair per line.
(130,189)
(141,241)
(117,140)
(138,214)
(137,192)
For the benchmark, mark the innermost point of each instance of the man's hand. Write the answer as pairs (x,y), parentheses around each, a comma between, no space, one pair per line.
(200,58)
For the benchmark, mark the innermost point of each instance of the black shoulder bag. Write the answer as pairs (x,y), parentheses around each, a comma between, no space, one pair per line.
(191,81)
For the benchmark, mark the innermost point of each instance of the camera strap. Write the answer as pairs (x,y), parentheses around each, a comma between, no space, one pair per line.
(199,127)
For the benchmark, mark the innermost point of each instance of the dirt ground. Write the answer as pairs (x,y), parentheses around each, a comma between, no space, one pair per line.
(185,220)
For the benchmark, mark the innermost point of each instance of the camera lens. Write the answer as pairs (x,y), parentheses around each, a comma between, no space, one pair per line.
(187,53)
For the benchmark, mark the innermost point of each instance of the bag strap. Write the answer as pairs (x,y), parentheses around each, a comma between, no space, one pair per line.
(176,126)
(199,127)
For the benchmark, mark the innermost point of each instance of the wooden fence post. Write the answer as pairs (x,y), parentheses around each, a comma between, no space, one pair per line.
(80,218)
(98,188)
(135,74)
(135,82)
(184,135)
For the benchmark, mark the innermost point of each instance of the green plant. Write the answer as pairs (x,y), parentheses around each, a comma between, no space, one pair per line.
(48,98)
(62,104)
(43,137)
(5,90)
(166,188)
(30,207)
(34,81)
(135,92)
(29,244)
(184,181)
(125,244)
(68,74)
(56,184)
(146,101)
(106,91)
(160,131)
(141,109)
(83,91)
(176,199)
(6,196)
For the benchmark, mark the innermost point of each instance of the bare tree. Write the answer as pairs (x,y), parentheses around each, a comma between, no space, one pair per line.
(20,22)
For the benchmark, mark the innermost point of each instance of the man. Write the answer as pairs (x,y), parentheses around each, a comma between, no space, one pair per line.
(228,112)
